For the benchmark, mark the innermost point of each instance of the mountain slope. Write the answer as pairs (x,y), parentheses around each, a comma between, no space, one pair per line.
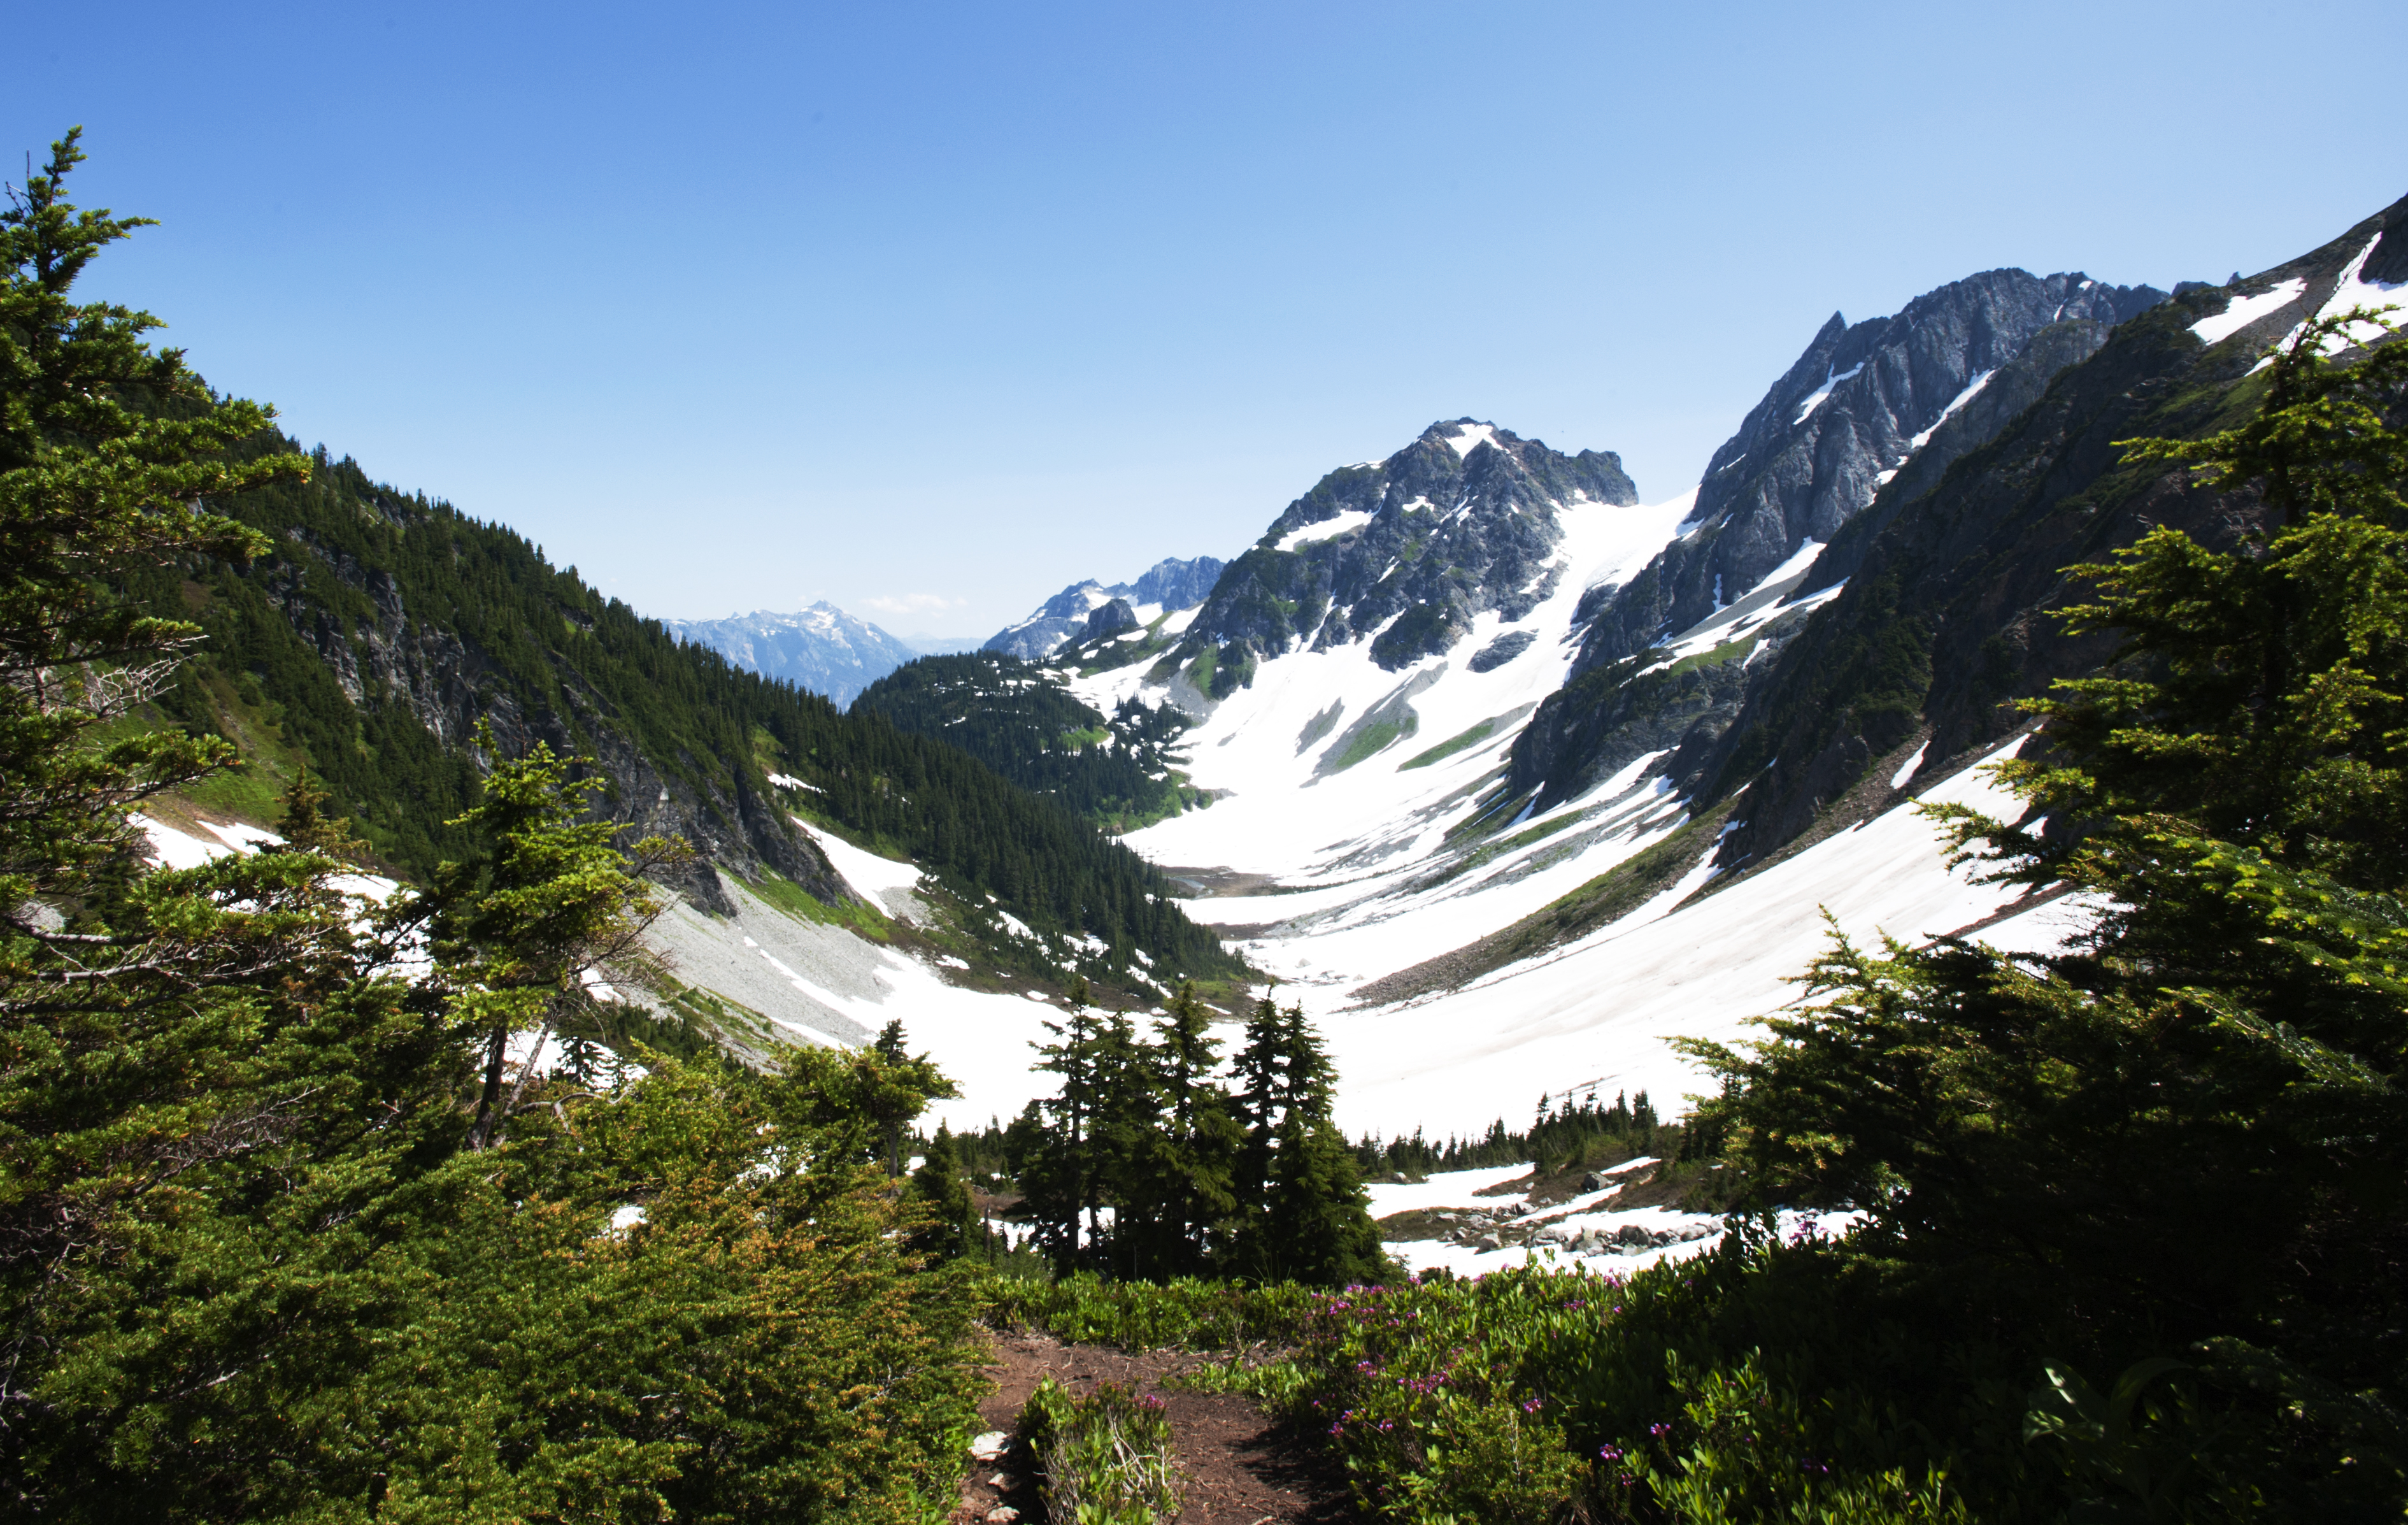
(1858,405)
(1113,769)
(1496,854)
(1946,617)
(386,626)
(822,650)
(1165,587)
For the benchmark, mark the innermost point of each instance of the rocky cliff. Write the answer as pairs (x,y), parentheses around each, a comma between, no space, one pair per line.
(1167,584)
(1860,405)
(1869,418)
(1948,613)
(1402,553)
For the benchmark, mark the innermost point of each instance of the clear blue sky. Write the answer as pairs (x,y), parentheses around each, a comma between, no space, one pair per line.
(930,308)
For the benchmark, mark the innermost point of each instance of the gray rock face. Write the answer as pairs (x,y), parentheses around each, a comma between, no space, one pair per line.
(1860,405)
(1959,587)
(1460,521)
(1171,582)
(1502,650)
(448,685)
(821,649)
(1112,618)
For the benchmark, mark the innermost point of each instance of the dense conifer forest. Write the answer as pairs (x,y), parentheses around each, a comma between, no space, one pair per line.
(486,627)
(1114,770)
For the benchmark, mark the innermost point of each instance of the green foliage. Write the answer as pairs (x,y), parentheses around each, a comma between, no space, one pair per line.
(1114,771)
(280,1245)
(1182,1313)
(938,1186)
(1459,741)
(1105,1454)
(1374,739)
(2187,1134)
(1577,1132)
(1254,1181)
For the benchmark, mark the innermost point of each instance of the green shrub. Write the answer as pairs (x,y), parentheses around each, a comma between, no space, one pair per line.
(1182,1315)
(1105,1458)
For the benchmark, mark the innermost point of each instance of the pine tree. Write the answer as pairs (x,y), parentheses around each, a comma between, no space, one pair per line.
(1300,1211)
(953,1228)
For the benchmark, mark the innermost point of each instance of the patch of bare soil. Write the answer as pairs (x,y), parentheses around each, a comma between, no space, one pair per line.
(1239,1466)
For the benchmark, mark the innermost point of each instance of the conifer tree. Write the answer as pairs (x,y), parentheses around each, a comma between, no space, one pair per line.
(551,899)
(1185,1170)
(2186,1131)
(951,1228)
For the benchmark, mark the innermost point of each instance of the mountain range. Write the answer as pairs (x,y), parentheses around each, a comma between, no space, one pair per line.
(1168,584)
(1506,770)
(821,649)
(1515,775)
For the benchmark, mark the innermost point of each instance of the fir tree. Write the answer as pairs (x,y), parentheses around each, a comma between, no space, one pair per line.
(952,1225)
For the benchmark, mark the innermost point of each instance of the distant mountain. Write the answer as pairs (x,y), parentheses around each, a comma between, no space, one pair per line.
(1166,587)
(943,646)
(1406,553)
(821,649)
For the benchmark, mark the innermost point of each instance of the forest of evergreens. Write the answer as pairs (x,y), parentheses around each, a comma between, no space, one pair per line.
(488,624)
(1113,769)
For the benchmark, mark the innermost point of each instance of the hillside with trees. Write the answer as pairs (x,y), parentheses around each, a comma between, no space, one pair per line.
(1115,769)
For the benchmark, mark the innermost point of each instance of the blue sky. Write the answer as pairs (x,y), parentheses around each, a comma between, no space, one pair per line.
(928,308)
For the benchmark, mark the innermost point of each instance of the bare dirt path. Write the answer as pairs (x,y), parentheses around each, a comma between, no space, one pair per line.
(1239,1467)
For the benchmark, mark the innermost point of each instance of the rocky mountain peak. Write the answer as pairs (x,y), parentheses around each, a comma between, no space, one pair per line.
(1403,553)
(1168,584)
(1859,403)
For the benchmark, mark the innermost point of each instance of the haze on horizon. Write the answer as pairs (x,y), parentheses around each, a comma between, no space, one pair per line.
(927,312)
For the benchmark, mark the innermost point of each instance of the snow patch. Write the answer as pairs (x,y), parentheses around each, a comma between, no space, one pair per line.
(1471,436)
(1831,380)
(1972,390)
(1344,523)
(2243,310)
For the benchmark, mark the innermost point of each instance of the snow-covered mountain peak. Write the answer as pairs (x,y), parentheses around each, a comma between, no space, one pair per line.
(1167,584)
(1468,436)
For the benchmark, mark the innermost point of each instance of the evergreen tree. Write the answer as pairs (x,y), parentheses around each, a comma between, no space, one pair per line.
(307,828)
(952,1224)
(521,926)
(250,1266)
(1316,1219)
(2186,1132)
(1183,1175)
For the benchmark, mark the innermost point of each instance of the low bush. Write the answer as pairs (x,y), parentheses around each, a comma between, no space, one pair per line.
(1182,1315)
(1105,1457)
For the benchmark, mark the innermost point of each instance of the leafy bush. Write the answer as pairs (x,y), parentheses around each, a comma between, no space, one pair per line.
(1106,1457)
(1182,1315)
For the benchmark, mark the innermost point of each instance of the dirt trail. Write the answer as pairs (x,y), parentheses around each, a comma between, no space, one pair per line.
(1239,1467)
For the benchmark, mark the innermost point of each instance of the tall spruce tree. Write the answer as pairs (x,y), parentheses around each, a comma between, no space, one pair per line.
(1184,1171)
